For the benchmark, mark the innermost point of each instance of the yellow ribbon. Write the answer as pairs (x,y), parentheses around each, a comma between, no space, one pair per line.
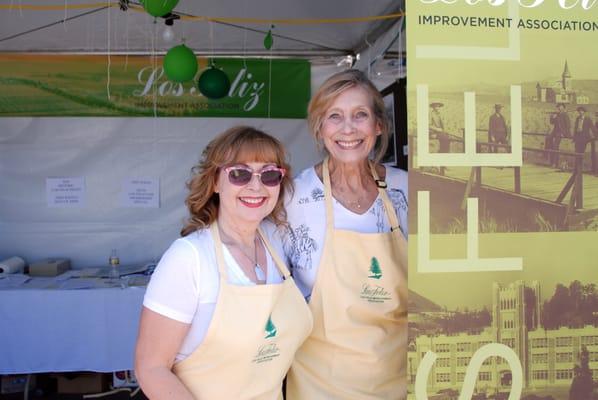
(288,21)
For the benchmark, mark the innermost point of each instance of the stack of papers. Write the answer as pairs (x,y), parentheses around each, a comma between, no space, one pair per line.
(87,278)
(13,281)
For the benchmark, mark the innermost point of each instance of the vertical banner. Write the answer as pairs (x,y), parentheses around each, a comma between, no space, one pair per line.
(503,247)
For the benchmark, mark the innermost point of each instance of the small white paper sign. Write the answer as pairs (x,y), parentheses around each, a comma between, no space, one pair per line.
(141,192)
(65,192)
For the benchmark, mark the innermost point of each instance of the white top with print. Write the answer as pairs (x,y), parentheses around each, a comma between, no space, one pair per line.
(307,219)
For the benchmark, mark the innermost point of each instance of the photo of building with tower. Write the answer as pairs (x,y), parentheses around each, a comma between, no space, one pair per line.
(548,356)
(561,90)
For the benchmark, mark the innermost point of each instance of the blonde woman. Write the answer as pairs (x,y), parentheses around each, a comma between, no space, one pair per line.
(347,249)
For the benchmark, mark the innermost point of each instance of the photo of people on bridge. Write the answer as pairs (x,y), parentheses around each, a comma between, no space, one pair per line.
(556,188)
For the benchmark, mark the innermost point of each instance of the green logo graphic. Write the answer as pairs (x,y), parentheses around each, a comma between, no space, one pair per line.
(270,328)
(376,272)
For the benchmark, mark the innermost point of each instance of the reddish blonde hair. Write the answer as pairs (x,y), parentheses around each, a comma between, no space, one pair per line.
(237,144)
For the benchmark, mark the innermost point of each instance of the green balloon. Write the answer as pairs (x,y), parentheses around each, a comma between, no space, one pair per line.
(180,64)
(158,8)
(268,40)
(213,83)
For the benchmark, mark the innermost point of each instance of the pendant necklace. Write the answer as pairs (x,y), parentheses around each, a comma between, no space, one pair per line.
(259,272)
(257,268)
(260,276)
(354,203)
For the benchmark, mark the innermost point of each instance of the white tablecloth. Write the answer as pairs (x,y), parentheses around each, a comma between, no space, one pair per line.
(49,330)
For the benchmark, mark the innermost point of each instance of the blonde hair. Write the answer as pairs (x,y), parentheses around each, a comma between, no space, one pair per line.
(237,144)
(332,88)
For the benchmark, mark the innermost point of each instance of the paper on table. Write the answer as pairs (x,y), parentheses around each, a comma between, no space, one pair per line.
(78,273)
(9,281)
(122,270)
(81,284)
(40,282)
(103,272)
(138,280)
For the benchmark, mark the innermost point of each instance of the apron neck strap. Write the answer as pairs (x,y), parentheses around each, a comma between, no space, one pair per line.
(280,265)
(328,198)
(220,254)
(381,184)
(390,211)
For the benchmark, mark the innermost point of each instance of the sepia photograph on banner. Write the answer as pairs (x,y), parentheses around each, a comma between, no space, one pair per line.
(503,175)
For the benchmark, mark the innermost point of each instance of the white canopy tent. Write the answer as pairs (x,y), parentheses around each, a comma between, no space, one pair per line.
(105,151)
(307,28)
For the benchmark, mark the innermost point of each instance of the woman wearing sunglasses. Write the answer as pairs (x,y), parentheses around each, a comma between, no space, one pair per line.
(348,252)
(222,318)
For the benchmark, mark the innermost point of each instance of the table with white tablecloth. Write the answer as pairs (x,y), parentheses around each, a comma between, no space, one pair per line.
(54,330)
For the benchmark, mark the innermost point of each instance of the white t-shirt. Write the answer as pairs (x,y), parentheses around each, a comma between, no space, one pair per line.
(306,213)
(185,284)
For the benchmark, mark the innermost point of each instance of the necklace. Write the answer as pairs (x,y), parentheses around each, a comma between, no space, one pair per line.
(260,276)
(351,199)
(259,272)
(257,268)
(355,203)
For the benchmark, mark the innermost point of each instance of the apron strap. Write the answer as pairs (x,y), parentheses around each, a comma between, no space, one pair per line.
(395,228)
(328,199)
(219,253)
(280,265)
(393,219)
(390,211)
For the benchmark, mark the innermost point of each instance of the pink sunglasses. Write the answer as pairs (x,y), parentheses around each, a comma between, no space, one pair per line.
(240,176)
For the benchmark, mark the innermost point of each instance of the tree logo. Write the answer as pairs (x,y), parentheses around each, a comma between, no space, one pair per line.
(376,272)
(270,328)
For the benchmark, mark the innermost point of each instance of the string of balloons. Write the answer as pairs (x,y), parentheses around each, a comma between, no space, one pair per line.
(180,63)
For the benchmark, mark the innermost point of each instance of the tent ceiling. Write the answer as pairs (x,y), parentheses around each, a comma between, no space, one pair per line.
(135,32)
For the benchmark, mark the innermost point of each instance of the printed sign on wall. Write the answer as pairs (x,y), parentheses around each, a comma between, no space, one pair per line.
(65,192)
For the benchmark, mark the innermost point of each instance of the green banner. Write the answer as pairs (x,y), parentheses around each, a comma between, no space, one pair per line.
(77,85)
(503,110)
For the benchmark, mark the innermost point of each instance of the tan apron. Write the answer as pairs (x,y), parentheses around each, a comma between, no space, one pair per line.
(251,340)
(358,347)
